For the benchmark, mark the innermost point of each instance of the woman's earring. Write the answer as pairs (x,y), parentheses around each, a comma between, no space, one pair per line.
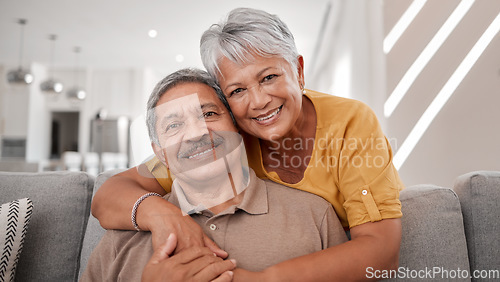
(303,89)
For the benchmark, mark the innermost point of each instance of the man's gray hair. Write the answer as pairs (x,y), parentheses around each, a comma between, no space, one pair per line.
(186,75)
(242,35)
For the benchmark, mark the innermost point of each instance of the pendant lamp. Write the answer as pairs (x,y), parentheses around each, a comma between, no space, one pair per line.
(51,85)
(20,75)
(76,92)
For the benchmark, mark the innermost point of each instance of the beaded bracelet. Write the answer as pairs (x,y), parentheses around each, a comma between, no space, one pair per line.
(136,205)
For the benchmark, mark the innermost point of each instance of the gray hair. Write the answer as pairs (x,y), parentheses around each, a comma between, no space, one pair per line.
(170,81)
(242,35)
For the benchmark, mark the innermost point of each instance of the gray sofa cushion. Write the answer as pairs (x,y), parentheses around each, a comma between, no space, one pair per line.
(433,233)
(52,244)
(94,230)
(479,193)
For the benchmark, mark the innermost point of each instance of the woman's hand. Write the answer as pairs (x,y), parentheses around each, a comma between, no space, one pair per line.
(113,202)
(192,264)
(162,218)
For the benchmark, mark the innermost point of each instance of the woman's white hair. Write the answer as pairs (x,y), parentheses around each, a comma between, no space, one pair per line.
(242,35)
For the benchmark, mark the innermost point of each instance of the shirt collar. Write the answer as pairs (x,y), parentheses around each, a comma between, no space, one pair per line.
(184,205)
(254,198)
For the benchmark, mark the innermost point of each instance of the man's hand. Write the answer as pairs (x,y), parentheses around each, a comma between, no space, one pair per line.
(192,264)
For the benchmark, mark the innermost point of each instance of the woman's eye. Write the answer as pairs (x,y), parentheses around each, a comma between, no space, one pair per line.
(269,77)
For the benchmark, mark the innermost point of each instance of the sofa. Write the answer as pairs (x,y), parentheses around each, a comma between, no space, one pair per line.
(448,233)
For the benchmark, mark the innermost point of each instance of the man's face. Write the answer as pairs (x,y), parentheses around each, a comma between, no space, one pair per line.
(195,131)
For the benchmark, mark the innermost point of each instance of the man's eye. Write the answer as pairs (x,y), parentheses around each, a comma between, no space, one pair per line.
(173,126)
(236,91)
(210,114)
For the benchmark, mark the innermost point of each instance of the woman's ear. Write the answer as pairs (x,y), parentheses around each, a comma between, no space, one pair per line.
(159,153)
(300,70)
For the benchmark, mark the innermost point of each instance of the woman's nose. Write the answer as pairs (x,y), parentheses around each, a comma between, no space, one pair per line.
(258,98)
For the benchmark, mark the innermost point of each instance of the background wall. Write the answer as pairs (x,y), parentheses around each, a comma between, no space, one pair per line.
(465,134)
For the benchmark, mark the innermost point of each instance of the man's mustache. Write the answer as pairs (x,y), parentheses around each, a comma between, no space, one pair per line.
(205,142)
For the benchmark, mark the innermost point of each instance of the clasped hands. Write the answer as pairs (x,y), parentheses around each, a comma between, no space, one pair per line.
(189,264)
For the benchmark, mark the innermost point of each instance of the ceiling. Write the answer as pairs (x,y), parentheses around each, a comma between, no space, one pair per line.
(114,34)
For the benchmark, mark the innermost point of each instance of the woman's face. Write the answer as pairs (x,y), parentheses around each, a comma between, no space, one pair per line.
(265,95)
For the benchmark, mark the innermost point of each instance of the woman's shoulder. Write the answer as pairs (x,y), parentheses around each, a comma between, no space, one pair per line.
(331,108)
(296,199)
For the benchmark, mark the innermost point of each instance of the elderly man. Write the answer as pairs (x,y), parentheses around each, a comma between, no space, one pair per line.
(258,223)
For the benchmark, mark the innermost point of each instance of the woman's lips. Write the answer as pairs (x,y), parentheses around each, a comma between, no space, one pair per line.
(269,117)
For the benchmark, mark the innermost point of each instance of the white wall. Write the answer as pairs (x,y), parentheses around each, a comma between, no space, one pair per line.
(465,134)
(140,145)
(348,58)
(13,108)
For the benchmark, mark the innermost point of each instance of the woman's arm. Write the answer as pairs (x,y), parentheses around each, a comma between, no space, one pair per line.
(374,245)
(113,202)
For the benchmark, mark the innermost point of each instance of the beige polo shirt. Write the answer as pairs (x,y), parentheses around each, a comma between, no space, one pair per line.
(272,223)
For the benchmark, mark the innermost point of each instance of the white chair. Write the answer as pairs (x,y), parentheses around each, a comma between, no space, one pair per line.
(111,161)
(72,161)
(121,160)
(91,163)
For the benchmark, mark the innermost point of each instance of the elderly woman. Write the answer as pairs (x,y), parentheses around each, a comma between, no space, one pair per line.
(326,145)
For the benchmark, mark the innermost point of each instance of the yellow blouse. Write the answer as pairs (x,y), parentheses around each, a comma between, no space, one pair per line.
(351,163)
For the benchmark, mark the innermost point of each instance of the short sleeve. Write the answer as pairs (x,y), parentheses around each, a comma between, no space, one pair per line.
(367,178)
(160,172)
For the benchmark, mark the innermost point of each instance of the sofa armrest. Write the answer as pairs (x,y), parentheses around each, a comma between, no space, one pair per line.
(479,194)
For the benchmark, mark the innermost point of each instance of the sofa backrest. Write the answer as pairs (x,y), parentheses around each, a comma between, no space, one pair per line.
(433,236)
(61,201)
(479,194)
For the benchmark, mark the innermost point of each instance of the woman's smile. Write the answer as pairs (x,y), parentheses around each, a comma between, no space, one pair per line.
(269,117)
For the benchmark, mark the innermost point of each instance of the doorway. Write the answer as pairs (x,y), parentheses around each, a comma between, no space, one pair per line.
(64,133)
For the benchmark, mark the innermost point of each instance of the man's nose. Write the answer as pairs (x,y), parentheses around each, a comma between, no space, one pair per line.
(195,129)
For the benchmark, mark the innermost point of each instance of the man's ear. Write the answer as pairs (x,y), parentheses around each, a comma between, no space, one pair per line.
(159,153)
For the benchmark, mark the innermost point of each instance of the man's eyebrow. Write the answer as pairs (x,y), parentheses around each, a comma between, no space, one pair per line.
(170,116)
(209,105)
(167,118)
